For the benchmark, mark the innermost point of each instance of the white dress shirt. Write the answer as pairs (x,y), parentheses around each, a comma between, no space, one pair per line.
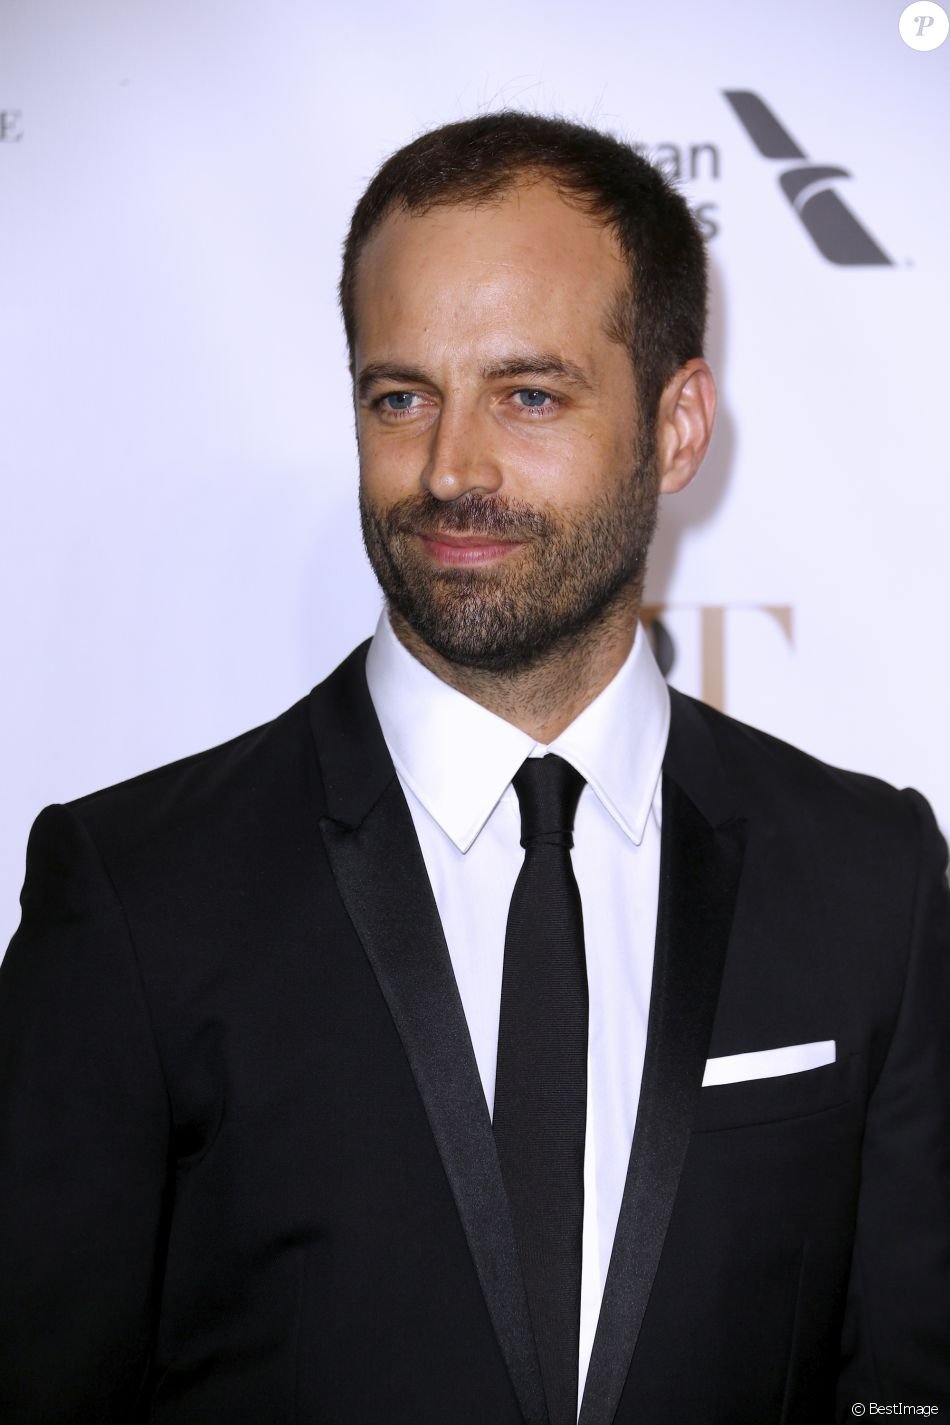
(455,761)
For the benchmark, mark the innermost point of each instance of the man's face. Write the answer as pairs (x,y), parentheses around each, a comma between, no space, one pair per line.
(507,493)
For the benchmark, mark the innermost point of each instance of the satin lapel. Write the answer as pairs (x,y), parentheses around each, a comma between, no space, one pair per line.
(381,876)
(700,866)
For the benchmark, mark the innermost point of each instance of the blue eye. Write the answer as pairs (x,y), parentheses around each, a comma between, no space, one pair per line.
(533,399)
(399,400)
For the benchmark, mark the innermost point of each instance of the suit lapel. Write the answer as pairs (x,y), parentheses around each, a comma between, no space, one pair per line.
(376,861)
(701,853)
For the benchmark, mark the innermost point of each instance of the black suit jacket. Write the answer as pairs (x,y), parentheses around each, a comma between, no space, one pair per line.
(247,1172)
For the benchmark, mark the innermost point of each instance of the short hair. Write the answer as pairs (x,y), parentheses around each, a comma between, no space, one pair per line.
(661,315)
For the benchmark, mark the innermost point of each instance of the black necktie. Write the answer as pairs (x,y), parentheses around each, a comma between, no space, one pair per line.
(541,1081)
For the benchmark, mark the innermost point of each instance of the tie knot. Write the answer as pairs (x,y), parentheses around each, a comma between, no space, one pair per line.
(548,791)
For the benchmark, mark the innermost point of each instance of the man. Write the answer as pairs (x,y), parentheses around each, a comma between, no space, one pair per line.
(325,1101)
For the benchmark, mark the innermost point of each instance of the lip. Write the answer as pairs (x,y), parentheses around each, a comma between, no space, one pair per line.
(467,549)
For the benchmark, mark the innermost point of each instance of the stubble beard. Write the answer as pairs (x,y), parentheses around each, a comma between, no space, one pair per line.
(574,568)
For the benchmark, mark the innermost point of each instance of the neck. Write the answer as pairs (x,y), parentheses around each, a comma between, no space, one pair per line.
(544,697)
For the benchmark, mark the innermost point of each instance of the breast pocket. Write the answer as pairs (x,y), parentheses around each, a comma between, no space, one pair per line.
(785,1096)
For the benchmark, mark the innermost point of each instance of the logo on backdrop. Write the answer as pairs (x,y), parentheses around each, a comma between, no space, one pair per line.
(829,222)
(11,126)
(699,163)
(712,639)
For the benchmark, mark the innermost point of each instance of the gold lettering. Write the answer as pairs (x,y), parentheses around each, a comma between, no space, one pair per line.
(712,630)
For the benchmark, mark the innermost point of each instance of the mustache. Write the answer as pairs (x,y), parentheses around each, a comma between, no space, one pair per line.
(469,514)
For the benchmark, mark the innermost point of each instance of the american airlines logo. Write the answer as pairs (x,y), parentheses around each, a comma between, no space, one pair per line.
(809,187)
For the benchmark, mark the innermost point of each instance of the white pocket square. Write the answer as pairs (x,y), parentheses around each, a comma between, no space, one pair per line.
(768,1063)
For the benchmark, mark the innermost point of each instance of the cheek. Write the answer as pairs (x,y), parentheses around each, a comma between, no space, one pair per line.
(565,468)
(388,468)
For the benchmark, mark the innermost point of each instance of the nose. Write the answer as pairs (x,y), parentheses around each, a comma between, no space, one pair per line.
(461,458)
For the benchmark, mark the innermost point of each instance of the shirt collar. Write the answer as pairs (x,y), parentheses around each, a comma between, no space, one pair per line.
(458,757)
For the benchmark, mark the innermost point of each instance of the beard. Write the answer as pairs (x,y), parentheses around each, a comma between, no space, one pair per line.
(574,566)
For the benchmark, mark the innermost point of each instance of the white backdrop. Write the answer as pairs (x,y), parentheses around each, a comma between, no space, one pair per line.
(179,548)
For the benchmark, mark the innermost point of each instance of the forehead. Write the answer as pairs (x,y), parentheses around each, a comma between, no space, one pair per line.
(525,263)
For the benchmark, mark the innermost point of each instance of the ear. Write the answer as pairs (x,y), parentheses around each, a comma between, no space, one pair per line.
(684,424)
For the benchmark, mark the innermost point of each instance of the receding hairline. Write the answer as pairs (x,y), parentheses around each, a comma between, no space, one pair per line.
(618,315)
(491,191)
(661,314)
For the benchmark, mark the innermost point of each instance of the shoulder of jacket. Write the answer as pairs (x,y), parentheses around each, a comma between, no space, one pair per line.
(205,787)
(772,776)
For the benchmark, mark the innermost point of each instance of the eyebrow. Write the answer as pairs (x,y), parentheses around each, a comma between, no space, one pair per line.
(379,371)
(541,364)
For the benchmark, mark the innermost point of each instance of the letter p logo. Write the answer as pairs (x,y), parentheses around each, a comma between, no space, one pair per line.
(924,25)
